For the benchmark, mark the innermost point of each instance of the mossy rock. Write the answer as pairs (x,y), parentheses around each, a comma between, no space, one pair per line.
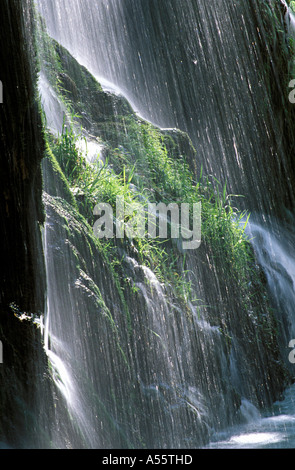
(56,183)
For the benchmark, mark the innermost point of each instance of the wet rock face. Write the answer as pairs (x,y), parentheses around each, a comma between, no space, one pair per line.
(126,345)
(21,149)
(21,213)
(178,384)
(24,380)
(207,66)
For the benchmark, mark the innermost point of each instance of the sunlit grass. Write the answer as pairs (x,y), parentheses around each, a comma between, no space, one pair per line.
(141,170)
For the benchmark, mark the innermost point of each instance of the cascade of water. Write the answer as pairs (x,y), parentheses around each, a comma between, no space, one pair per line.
(176,408)
(273,243)
(290,18)
(199,63)
(61,367)
(54,110)
(102,35)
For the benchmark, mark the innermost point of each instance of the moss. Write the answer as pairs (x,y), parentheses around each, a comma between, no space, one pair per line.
(84,248)
(146,162)
(55,180)
(278,56)
(161,165)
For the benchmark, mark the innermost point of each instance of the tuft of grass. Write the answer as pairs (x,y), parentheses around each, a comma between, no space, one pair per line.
(142,170)
(68,155)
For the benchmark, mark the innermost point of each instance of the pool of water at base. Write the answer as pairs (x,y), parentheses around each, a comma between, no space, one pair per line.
(272,430)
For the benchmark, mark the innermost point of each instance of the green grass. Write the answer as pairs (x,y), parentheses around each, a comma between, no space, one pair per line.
(141,166)
(142,169)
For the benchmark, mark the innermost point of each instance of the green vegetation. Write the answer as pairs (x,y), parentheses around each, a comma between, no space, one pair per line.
(276,39)
(291,41)
(141,169)
(70,158)
(143,163)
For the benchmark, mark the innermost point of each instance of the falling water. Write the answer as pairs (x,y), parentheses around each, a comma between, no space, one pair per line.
(273,244)
(199,63)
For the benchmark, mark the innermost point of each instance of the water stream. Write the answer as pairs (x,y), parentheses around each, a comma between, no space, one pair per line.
(196,64)
(275,428)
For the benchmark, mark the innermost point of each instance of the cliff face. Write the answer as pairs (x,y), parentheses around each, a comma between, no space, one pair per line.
(21,214)
(21,149)
(217,70)
(144,366)
(164,371)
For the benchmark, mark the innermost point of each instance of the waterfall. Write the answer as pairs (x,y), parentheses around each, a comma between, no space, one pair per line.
(289,17)
(198,62)
(273,243)
(171,382)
